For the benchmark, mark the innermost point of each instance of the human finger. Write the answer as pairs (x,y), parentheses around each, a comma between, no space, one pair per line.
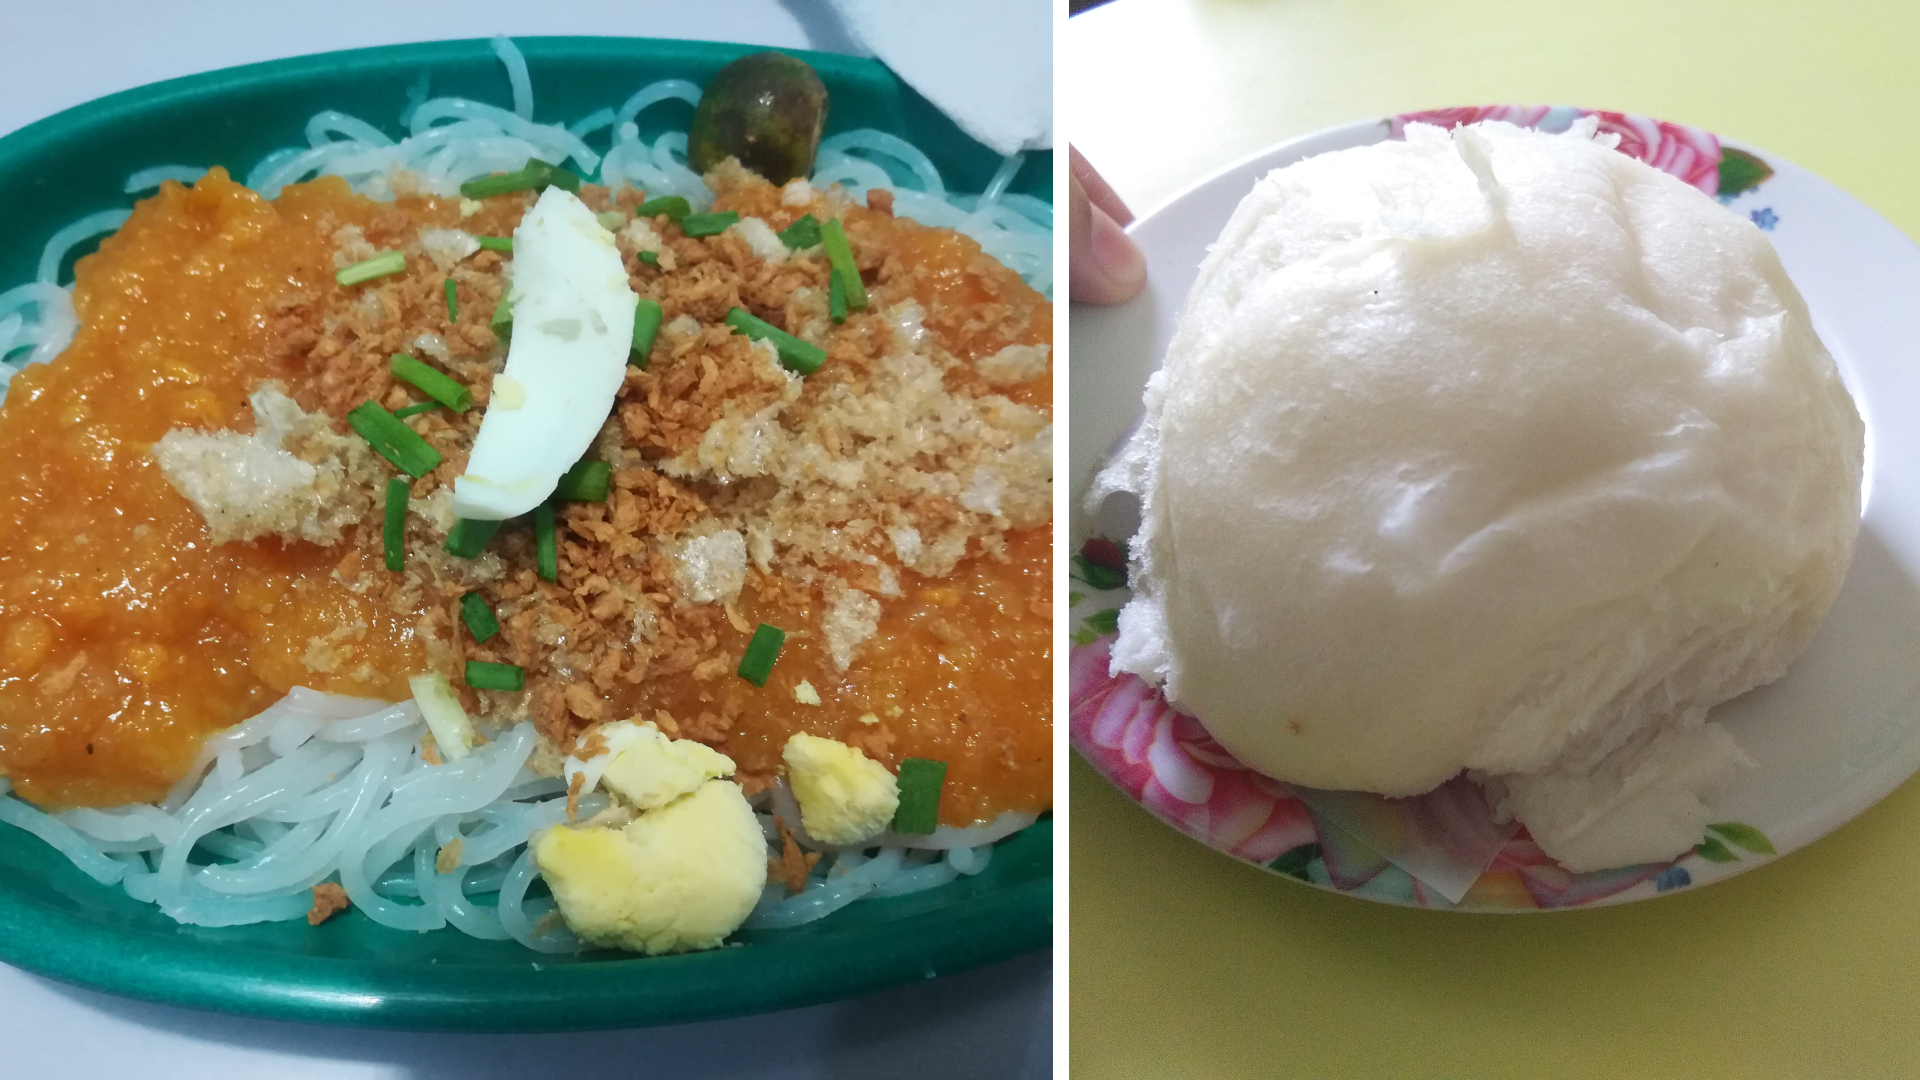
(1099,192)
(1103,266)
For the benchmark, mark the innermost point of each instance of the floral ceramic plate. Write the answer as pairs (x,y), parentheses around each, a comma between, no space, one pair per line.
(1831,738)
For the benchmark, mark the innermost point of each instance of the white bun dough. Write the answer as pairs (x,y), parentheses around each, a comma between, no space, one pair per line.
(1488,450)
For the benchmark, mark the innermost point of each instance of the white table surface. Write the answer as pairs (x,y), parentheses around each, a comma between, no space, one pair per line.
(993,1022)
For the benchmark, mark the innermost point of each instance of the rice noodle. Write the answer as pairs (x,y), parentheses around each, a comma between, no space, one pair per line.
(519,917)
(320,787)
(46,331)
(590,123)
(651,94)
(148,179)
(884,146)
(325,124)
(11,338)
(509,54)
(1002,176)
(63,242)
(851,876)
(64,838)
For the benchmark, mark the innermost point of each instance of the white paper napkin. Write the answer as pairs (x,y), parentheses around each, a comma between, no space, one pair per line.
(993,71)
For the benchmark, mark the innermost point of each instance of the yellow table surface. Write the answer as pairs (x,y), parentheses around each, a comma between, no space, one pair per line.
(1184,963)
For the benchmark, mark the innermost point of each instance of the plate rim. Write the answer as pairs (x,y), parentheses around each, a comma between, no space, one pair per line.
(576,995)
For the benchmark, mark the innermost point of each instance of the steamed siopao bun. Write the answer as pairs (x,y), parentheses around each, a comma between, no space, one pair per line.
(1489,450)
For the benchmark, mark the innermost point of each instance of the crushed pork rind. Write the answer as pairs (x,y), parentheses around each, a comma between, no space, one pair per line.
(294,476)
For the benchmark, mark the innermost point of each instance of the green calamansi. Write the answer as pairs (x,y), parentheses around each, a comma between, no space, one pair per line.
(766,109)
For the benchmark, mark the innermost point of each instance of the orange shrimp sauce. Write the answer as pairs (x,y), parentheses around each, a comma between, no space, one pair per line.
(959,671)
(125,637)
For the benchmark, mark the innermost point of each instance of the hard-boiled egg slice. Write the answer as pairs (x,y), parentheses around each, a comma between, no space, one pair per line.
(572,329)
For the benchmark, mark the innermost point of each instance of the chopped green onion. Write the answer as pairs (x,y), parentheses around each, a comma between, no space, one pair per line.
(674,206)
(920,782)
(502,322)
(610,219)
(757,663)
(453,303)
(478,616)
(469,536)
(484,676)
(430,382)
(387,262)
(651,258)
(836,297)
(803,233)
(393,440)
(527,177)
(532,176)
(796,356)
(415,409)
(708,224)
(840,255)
(495,243)
(646,324)
(587,481)
(393,530)
(546,543)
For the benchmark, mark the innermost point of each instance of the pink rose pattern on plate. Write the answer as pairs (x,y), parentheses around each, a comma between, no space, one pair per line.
(1691,154)
(1165,761)
(1346,841)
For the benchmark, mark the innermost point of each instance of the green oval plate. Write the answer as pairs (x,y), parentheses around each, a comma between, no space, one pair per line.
(60,923)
